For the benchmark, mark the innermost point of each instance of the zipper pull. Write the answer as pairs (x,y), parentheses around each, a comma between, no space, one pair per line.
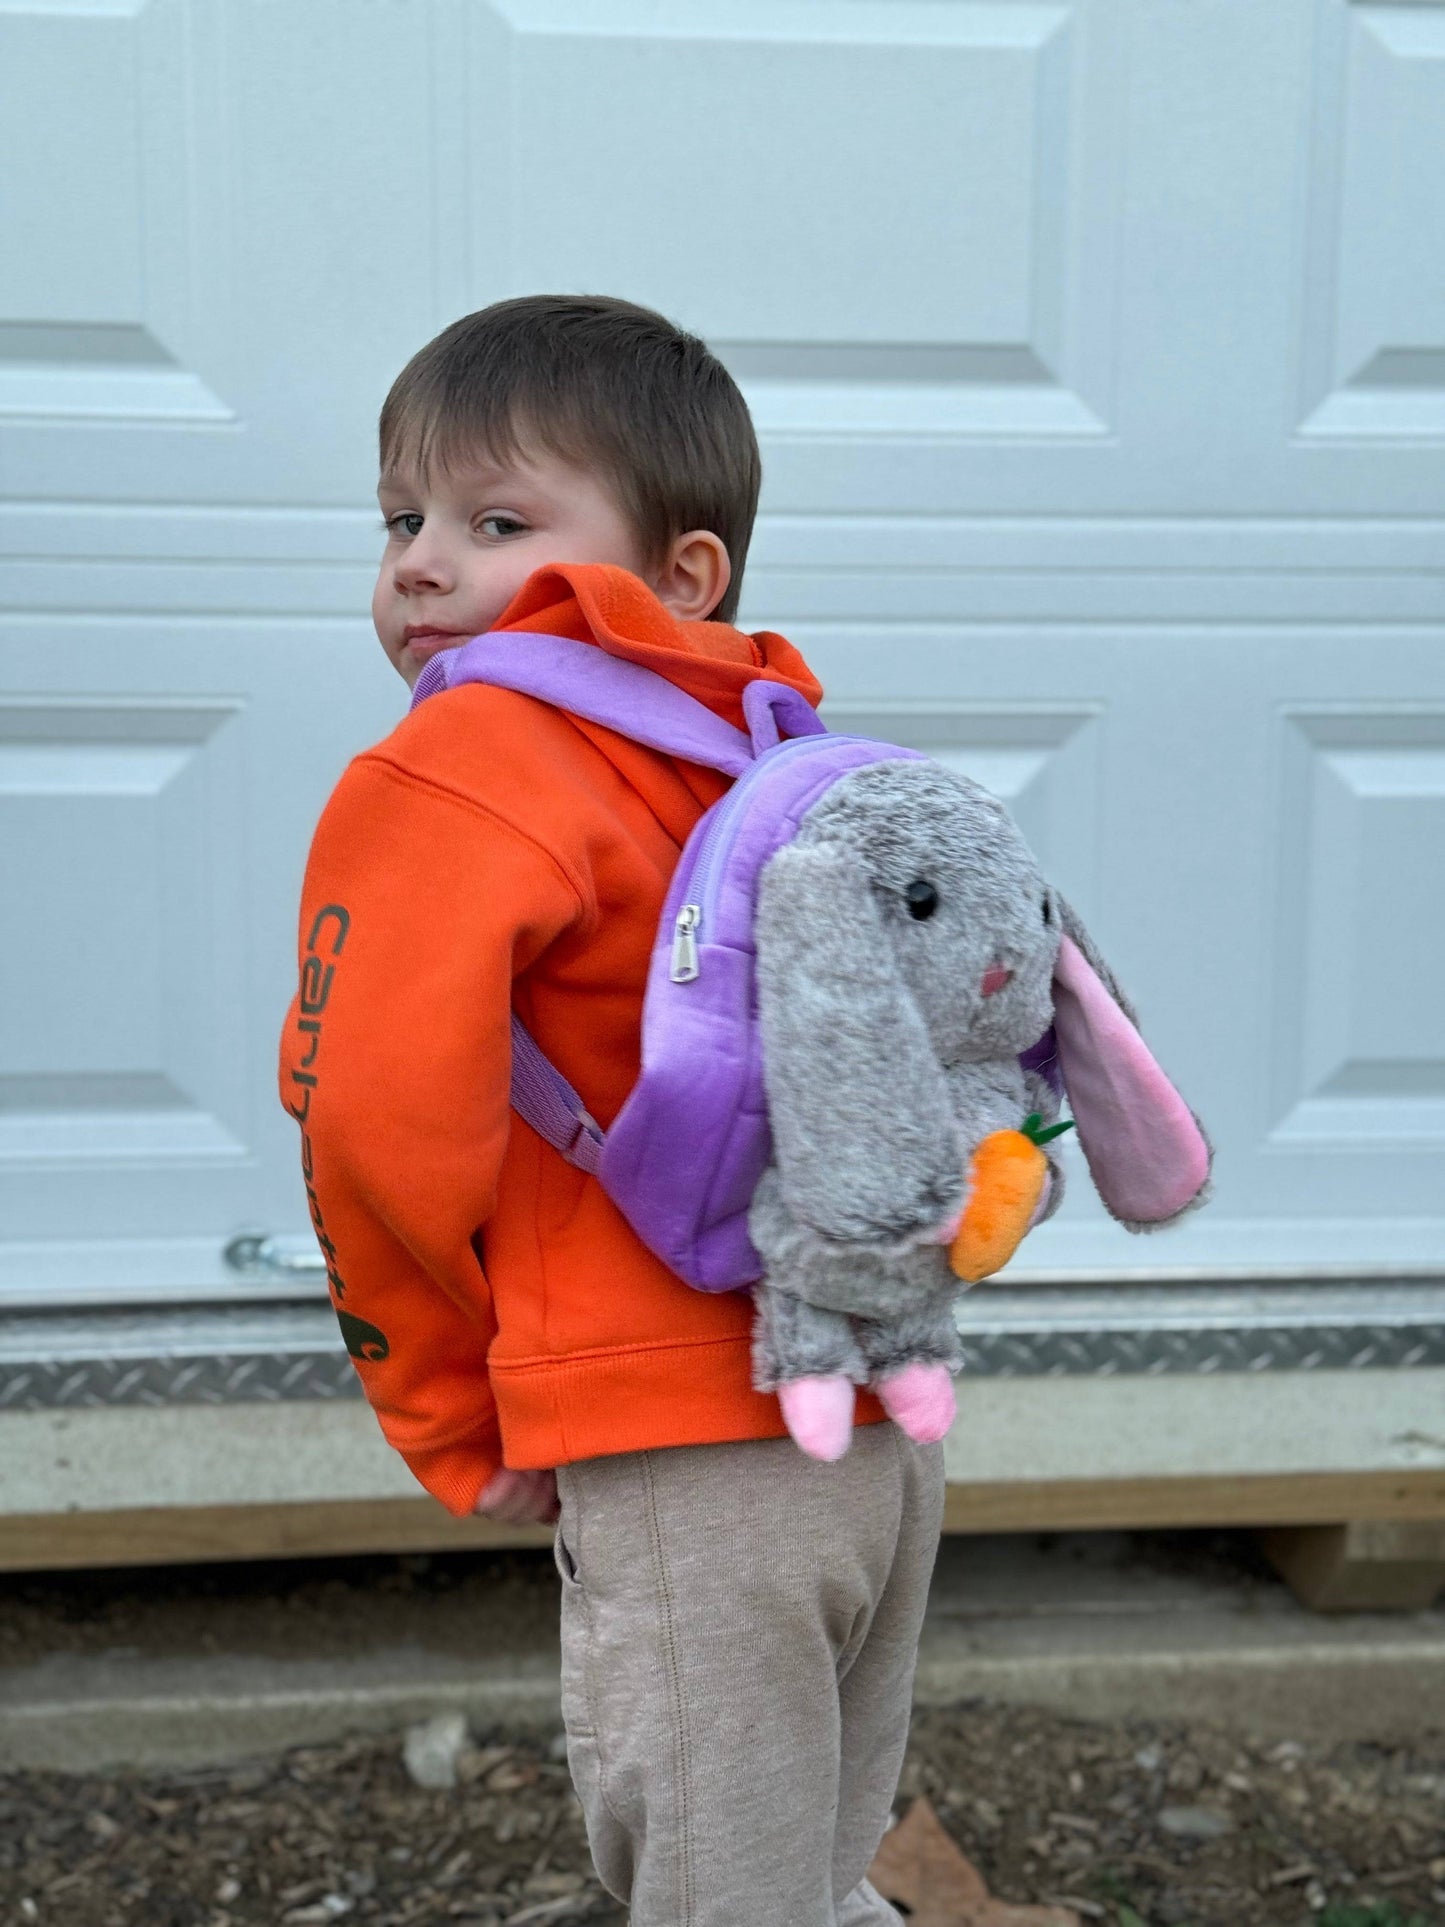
(684,944)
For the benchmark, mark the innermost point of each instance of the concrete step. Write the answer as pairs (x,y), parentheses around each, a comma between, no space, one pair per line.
(1099,1626)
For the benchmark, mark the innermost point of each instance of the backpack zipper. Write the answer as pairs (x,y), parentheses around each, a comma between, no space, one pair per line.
(717,838)
(684,944)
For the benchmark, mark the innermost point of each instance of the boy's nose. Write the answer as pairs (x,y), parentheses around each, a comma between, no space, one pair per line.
(421,569)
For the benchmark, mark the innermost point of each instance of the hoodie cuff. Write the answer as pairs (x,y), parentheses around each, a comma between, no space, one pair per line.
(456,1473)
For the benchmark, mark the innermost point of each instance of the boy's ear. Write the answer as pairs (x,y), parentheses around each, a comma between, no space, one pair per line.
(694,576)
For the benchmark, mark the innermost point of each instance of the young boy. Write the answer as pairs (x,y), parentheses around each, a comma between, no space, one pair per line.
(740,1622)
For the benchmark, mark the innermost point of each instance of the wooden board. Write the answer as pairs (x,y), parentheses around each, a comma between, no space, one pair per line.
(166,1536)
(185,1535)
(1361,1565)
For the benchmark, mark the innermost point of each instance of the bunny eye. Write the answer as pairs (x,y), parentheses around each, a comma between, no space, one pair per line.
(922,900)
(1048,914)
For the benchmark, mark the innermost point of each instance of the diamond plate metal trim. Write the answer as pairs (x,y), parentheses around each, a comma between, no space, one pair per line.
(1071,1331)
(269,1353)
(250,1355)
(46,1384)
(1111,1354)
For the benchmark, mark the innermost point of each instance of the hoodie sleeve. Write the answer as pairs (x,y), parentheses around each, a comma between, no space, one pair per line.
(419,907)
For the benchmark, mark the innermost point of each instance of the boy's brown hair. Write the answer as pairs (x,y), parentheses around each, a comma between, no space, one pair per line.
(603,384)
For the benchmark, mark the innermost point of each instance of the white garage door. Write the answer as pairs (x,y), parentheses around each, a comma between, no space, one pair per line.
(1098,350)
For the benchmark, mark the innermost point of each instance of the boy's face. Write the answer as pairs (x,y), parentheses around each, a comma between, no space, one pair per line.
(458,547)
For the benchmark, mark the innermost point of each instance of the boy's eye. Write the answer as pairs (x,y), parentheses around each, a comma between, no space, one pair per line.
(501,525)
(408,523)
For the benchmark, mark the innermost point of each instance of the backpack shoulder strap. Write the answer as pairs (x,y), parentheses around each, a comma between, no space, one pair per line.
(585,680)
(542,1095)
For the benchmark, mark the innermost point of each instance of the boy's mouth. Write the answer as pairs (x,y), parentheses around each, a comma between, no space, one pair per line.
(424,643)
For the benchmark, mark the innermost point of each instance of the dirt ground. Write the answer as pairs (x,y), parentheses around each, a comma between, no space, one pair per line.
(280,1608)
(1133,1825)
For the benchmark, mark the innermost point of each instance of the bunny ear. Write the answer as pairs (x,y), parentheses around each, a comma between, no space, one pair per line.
(863,1129)
(1147,1154)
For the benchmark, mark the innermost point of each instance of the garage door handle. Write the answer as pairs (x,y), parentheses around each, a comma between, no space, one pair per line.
(255,1252)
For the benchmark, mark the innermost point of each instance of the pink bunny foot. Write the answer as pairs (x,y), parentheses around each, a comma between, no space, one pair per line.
(819,1414)
(920,1401)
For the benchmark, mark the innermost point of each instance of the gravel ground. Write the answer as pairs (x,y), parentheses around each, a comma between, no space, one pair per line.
(1136,1826)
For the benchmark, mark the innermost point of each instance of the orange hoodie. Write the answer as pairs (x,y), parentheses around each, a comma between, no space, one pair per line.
(496,854)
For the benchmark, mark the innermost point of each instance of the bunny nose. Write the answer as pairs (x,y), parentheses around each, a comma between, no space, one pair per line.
(995,979)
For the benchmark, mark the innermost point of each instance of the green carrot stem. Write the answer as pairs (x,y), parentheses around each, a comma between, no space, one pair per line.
(1033,1129)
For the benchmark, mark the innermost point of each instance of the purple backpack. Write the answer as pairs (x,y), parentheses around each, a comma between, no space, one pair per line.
(686,1151)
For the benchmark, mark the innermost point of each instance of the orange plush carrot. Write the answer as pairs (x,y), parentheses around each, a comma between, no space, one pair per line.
(1006,1177)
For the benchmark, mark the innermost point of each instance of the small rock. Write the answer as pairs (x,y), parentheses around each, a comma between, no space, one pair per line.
(1195,1823)
(987,1817)
(228,1890)
(553,1884)
(1288,1876)
(432,1749)
(1149,1758)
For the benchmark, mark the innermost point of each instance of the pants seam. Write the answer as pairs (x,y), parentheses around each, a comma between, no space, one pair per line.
(682,1755)
(589,1675)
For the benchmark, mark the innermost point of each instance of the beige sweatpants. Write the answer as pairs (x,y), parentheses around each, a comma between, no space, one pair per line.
(739,1632)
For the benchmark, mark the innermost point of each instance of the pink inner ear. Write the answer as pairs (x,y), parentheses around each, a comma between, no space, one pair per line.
(1147,1156)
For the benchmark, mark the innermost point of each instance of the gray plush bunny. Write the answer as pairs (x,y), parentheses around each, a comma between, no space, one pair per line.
(909,951)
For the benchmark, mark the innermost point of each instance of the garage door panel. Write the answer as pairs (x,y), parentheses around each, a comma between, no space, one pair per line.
(1375,334)
(119,1031)
(238,246)
(101,299)
(71,230)
(1362,1025)
(898,250)
(152,845)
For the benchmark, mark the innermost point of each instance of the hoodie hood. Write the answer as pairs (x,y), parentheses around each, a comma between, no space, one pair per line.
(595,602)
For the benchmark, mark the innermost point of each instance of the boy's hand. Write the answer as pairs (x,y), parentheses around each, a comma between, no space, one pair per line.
(520,1498)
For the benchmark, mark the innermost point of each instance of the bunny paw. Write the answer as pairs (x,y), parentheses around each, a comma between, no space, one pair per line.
(819,1414)
(920,1401)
